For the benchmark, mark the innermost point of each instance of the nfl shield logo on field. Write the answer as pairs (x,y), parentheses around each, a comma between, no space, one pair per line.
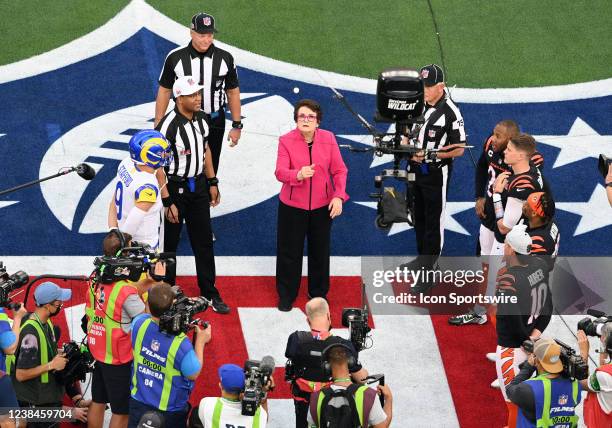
(563,400)
(155,345)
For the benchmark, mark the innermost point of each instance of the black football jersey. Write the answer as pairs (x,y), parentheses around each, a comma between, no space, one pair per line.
(533,308)
(545,242)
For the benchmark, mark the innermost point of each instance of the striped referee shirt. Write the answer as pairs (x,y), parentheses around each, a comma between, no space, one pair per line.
(443,126)
(189,139)
(215,70)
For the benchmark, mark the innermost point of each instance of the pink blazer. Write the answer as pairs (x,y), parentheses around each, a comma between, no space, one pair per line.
(329,179)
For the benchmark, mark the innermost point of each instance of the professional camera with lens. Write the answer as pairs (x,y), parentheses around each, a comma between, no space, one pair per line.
(80,362)
(10,283)
(574,367)
(257,374)
(180,317)
(592,327)
(356,319)
(131,264)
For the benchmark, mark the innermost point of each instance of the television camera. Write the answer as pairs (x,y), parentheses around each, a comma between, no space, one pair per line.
(574,367)
(130,264)
(399,100)
(594,327)
(180,317)
(9,283)
(356,320)
(80,362)
(257,374)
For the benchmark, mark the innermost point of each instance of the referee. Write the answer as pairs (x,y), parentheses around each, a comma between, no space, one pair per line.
(192,185)
(443,129)
(215,70)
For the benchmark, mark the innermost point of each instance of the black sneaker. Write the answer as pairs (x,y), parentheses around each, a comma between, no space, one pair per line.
(470,318)
(285,307)
(219,306)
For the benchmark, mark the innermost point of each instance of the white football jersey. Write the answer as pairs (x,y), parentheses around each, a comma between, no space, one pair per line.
(133,185)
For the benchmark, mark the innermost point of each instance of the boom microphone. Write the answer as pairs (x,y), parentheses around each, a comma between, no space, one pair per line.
(85,171)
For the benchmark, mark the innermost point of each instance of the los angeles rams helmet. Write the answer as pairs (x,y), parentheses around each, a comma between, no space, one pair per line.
(150,147)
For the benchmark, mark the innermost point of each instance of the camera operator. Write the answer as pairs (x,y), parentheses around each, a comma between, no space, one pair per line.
(598,404)
(519,316)
(8,346)
(111,309)
(227,410)
(365,409)
(304,349)
(443,129)
(37,357)
(165,366)
(549,399)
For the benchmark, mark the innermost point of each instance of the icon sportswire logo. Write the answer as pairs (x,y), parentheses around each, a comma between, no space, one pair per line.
(246,171)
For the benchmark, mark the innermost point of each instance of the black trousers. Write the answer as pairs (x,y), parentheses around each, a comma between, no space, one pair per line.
(215,137)
(301,413)
(294,225)
(430,191)
(194,210)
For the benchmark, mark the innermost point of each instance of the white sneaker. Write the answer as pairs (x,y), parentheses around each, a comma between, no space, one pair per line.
(492,356)
(495,384)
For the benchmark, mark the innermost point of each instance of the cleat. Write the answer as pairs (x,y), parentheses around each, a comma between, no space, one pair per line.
(469,318)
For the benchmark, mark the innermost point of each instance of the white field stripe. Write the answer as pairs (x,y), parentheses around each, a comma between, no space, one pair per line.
(226,265)
(138,14)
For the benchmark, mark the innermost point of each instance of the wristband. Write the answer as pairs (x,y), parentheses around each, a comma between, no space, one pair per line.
(167,201)
(236,124)
(213,181)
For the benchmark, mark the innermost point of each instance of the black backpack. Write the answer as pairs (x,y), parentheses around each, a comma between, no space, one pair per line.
(344,416)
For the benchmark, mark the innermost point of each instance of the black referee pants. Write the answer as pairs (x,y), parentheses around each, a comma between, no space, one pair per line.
(430,190)
(194,210)
(215,138)
(294,225)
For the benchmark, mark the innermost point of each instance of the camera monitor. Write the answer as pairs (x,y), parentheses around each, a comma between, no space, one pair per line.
(399,95)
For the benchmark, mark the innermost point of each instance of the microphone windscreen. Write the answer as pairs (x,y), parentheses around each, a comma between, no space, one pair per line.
(85,171)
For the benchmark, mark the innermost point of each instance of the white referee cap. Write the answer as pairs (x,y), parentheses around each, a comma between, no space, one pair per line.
(185,85)
(518,239)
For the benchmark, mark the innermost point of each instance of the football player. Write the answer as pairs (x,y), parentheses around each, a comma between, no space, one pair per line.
(539,210)
(137,206)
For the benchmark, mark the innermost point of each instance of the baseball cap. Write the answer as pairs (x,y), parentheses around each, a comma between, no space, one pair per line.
(47,292)
(185,85)
(431,75)
(151,419)
(203,23)
(232,377)
(519,239)
(548,352)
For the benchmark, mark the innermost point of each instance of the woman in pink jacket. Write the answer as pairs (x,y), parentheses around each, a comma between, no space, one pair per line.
(313,174)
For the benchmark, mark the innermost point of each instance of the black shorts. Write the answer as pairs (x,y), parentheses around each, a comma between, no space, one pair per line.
(112,384)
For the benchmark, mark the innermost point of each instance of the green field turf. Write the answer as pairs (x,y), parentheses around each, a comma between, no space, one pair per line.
(486,43)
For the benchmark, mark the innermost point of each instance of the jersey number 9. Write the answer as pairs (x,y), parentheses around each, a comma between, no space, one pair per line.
(119,199)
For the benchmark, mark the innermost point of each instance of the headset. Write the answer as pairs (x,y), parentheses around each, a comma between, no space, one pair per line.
(325,364)
(121,238)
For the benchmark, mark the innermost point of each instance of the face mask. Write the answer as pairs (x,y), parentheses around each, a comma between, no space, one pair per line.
(57,311)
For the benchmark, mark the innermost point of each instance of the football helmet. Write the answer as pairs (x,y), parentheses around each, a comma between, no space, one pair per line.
(149,147)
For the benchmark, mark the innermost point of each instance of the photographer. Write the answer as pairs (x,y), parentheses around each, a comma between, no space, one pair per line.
(227,410)
(111,309)
(361,404)
(304,349)
(549,399)
(598,404)
(37,358)
(165,365)
(8,346)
